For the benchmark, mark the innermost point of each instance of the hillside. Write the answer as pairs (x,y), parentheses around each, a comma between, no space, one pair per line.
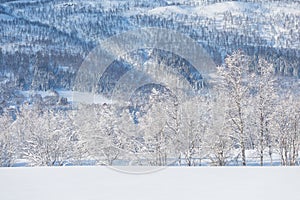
(44,36)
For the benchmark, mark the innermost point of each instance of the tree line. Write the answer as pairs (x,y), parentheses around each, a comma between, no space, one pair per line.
(249,114)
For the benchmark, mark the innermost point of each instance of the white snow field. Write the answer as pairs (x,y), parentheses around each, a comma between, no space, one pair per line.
(102,183)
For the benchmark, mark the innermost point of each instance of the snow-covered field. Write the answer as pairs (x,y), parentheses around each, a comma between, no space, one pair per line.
(97,183)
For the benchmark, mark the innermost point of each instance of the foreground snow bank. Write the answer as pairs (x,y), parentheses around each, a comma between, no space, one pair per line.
(170,183)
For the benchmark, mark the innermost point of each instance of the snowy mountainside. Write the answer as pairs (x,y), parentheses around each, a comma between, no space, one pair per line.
(94,20)
(38,37)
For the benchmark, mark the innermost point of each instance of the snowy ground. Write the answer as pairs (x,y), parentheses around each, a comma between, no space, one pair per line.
(73,97)
(95,183)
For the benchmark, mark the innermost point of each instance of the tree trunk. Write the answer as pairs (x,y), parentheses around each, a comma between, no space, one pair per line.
(243,153)
(261,138)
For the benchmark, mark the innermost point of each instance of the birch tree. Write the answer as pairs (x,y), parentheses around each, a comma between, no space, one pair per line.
(98,129)
(264,100)
(219,143)
(234,84)
(8,146)
(48,137)
(288,129)
(196,119)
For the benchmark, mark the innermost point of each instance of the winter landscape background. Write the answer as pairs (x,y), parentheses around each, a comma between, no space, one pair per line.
(177,87)
(245,113)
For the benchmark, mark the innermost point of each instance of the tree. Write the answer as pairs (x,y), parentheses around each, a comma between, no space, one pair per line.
(99,131)
(48,137)
(219,143)
(195,123)
(156,138)
(287,127)
(7,141)
(264,97)
(234,84)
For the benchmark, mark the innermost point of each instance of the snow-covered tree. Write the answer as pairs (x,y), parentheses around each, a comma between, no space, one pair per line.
(196,118)
(234,84)
(287,127)
(263,103)
(48,137)
(156,136)
(219,143)
(7,141)
(99,131)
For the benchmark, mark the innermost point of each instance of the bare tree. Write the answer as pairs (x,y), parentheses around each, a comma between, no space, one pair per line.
(234,83)
(288,129)
(219,143)
(196,119)
(264,100)
(48,137)
(8,143)
(98,129)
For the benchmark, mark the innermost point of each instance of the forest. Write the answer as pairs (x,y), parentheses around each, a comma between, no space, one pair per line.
(248,116)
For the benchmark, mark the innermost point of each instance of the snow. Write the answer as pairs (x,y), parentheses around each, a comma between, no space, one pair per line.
(212,10)
(234,7)
(206,10)
(167,10)
(73,97)
(106,4)
(273,33)
(282,7)
(29,93)
(5,17)
(83,97)
(94,183)
(266,30)
(65,68)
